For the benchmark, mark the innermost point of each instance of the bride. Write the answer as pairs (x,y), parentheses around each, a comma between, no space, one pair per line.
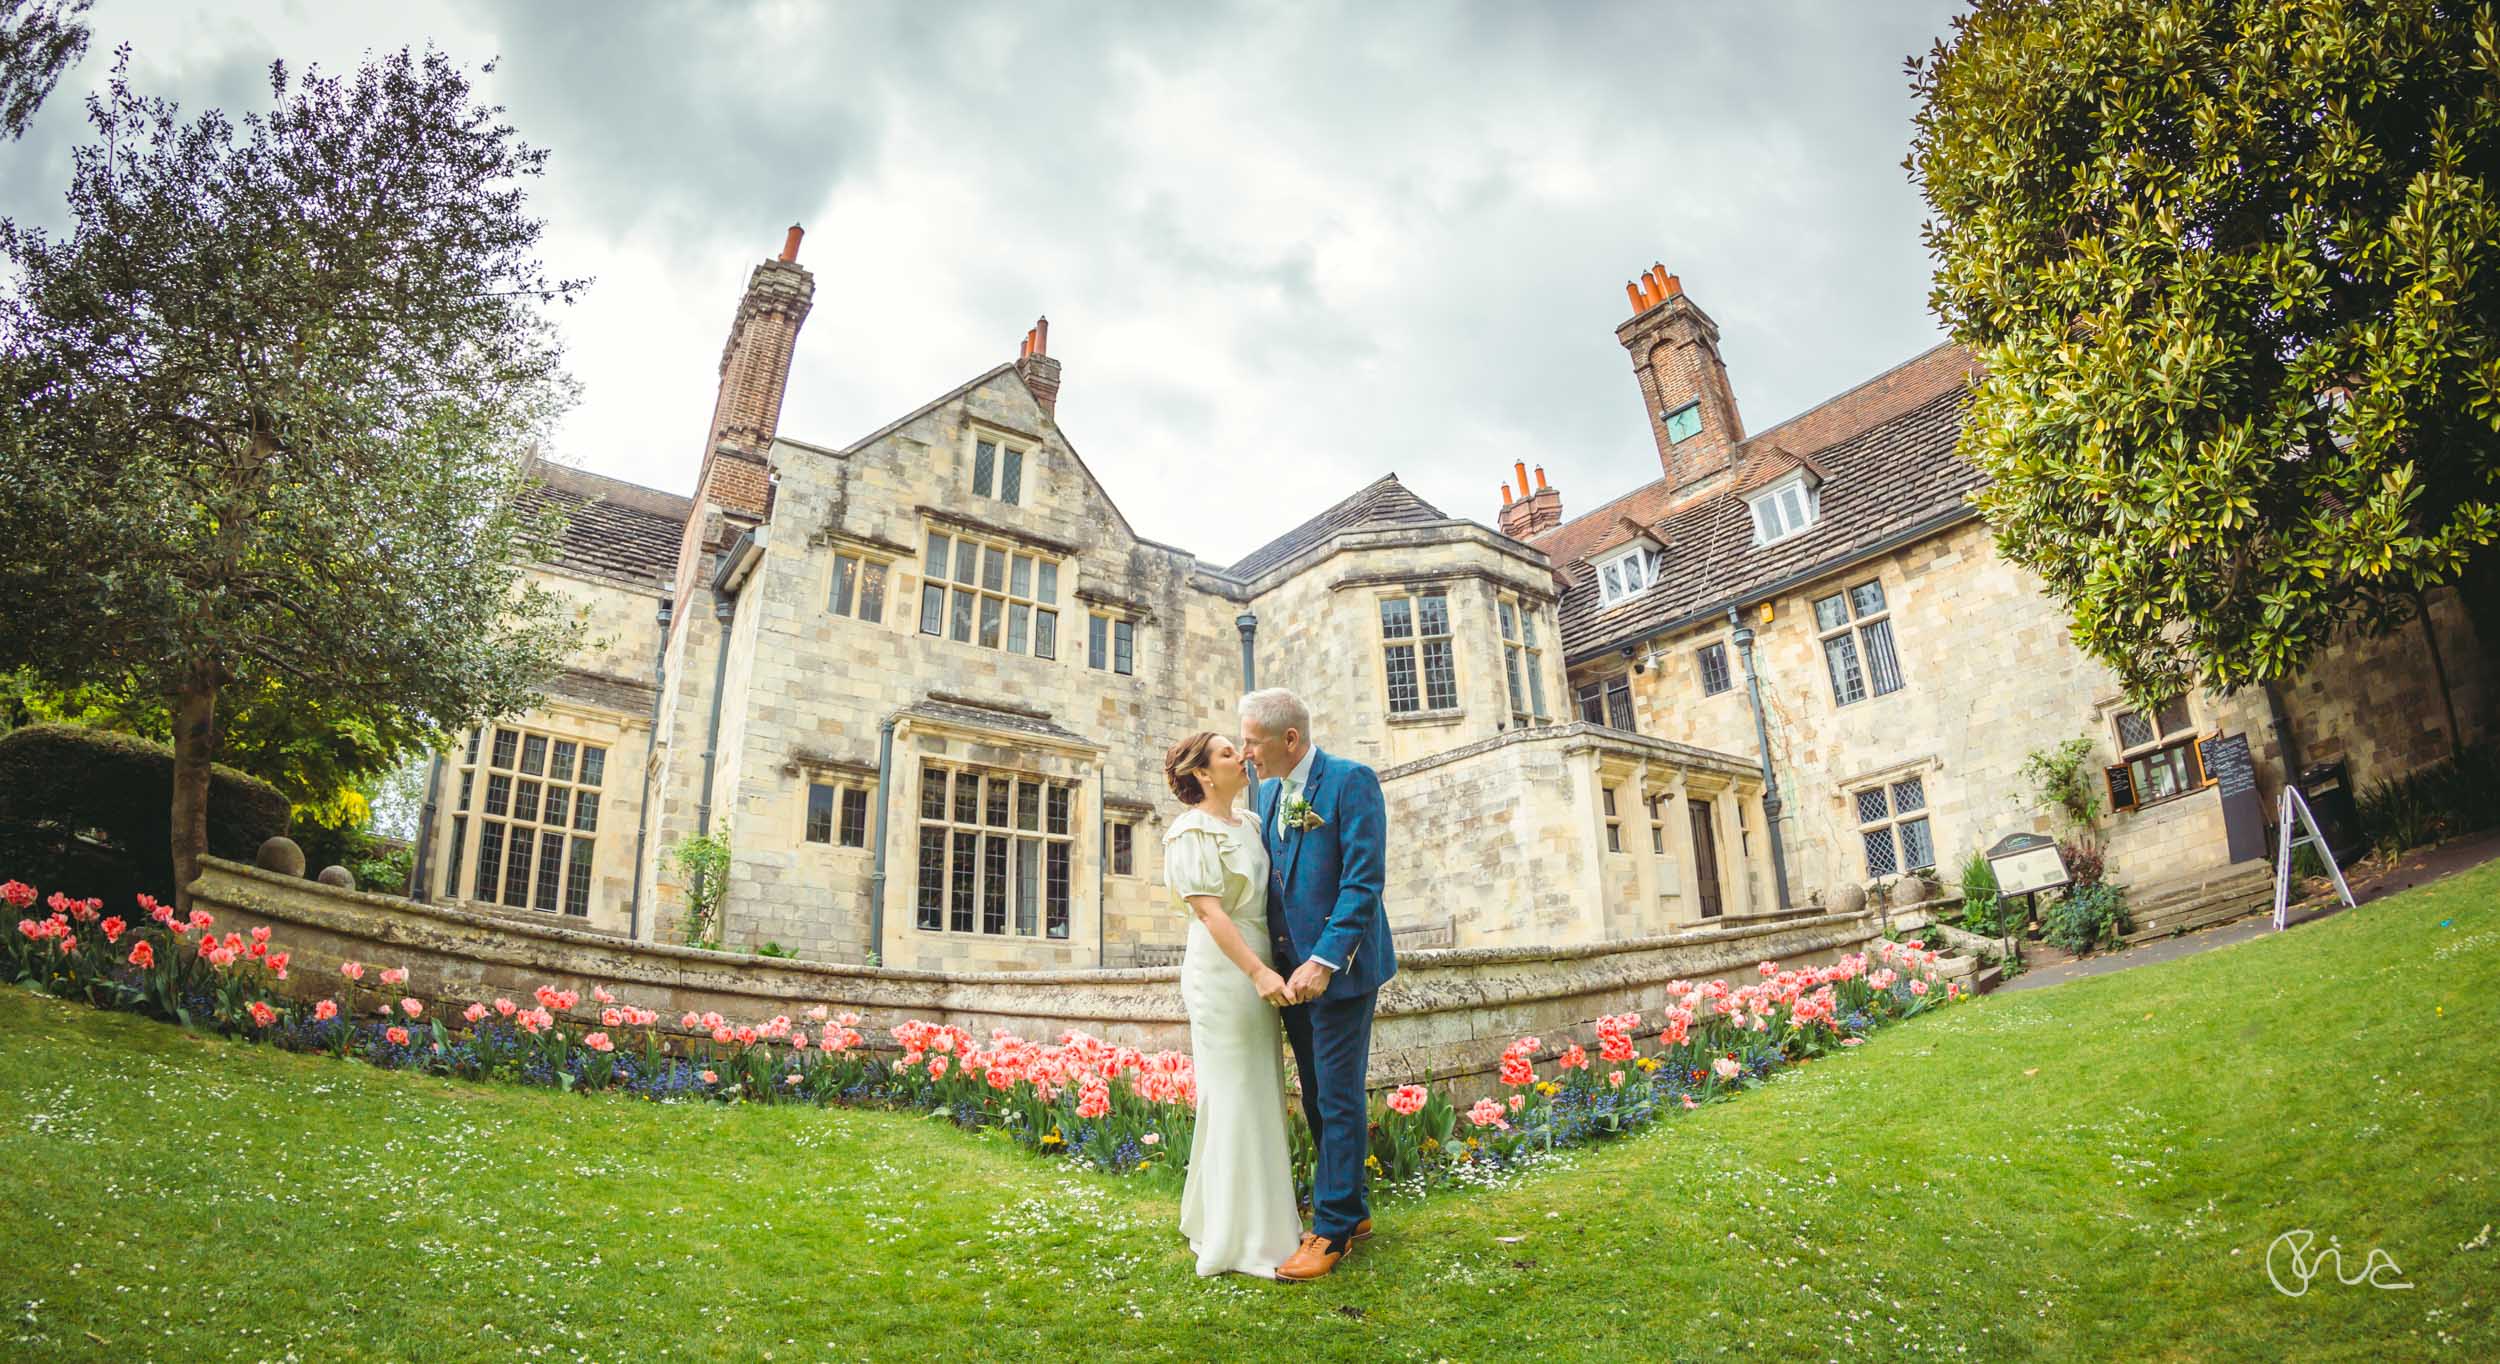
(1237,1206)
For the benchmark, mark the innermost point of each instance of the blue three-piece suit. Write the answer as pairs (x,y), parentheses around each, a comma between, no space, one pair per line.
(1323,901)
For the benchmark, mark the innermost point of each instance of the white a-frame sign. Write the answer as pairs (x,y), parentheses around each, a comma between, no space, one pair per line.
(2292,803)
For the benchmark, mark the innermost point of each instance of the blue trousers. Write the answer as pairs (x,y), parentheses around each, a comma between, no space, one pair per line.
(1332,1046)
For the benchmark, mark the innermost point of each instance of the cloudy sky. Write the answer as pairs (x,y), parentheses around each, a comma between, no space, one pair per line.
(1283,248)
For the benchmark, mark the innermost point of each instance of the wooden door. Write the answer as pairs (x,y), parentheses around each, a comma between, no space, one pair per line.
(1705,860)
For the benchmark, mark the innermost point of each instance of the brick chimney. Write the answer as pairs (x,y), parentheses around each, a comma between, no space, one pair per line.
(1529,514)
(1040,372)
(754,373)
(1675,356)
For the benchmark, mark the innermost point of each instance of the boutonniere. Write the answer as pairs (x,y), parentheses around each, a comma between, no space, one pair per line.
(1300,817)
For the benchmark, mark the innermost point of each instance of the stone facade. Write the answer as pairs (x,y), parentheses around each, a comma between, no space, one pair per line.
(926,784)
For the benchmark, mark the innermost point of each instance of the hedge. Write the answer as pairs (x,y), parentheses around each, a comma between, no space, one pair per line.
(91,807)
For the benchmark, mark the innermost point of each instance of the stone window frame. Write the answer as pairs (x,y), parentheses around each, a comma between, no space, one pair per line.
(847,596)
(1522,653)
(1038,605)
(1609,804)
(847,798)
(1120,847)
(1606,700)
(2158,747)
(994,836)
(1862,637)
(1716,678)
(497,773)
(1658,822)
(1418,647)
(1013,460)
(1887,817)
(1615,573)
(1111,641)
(1779,516)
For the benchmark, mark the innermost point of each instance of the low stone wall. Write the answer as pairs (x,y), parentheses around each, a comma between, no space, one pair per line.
(1447,1015)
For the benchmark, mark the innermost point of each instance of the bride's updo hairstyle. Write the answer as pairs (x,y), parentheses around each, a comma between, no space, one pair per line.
(1184,761)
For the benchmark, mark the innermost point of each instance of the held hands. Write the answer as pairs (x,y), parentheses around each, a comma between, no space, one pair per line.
(1271,987)
(1310,979)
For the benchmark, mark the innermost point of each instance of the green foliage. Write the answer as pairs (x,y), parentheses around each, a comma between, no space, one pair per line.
(91,808)
(2457,795)
(2062,779)
(1983,911)
(38,41)
(2230,267)
(702,861)
(387,872)
(2087,917)
(265,417)
(773,949)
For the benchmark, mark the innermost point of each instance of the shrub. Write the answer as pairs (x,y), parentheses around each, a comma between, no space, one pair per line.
(1980,905)
(2087,917)
(91,807)
(2457,795)
(2061,780)
(703,859)
(387,874)
(2085,862)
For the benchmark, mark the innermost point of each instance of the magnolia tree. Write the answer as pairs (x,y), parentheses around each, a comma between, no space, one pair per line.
(264,414)
(2233,267)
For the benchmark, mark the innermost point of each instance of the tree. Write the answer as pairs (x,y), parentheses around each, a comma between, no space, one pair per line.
(2231,269)
(39,39)
(264,415)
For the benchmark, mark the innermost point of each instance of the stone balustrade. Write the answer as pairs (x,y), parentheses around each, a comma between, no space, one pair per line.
(1447,1015)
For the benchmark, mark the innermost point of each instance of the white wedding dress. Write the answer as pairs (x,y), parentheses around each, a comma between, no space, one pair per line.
(1237,1206)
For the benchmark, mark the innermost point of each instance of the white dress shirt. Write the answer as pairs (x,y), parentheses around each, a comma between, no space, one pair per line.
(1295,781)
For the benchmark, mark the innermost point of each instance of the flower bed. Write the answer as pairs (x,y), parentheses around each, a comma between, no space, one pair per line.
(1081,1099)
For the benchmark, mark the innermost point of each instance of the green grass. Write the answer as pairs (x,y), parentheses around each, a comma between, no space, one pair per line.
(2093,1171)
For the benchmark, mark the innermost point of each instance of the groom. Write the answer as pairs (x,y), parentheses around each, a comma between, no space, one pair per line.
(1326,836)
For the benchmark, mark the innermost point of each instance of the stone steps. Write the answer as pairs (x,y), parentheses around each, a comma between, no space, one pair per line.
(2201,902)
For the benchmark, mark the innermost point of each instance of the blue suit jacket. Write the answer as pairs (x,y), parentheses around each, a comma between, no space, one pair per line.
(1324,884)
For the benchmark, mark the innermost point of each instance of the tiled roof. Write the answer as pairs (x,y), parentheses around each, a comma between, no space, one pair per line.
(984,717)
(1890,478)
(1385,502)
(613,528)
(1942,369)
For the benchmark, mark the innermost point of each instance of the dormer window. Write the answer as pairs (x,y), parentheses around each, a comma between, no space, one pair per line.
(1626,575)
(1783,509)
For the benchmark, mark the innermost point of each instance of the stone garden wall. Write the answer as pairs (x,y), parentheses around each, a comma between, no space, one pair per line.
(1447,1015)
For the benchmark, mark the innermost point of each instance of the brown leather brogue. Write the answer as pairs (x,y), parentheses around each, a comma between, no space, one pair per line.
(1363,1230)
(1312,1260)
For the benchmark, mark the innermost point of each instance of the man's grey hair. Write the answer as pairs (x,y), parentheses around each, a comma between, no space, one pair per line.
(1275,710)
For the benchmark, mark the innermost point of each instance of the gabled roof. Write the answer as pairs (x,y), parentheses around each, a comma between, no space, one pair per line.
(1384,502)
(1942,369)
(1896,478)
(612,528)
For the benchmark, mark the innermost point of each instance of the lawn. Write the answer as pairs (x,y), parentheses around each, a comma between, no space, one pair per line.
(2094,1171)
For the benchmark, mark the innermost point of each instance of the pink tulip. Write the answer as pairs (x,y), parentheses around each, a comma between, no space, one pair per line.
(262,1014)
(1407,1099)
(711,1077)
(600,993)
(353,970)
(1488,1113)
(1726,1067)
(474,1012)
(598,1041)
(412,1007)
(395,975)
(505,1007)
(326,1010)
(611,1018)
(397,1036)
(112,929)
(142,955)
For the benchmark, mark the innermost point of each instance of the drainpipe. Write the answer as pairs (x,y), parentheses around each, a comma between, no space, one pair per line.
(876,878)
(734,564)
(425,828)
(1762,736)
(1249,626)
(650,759)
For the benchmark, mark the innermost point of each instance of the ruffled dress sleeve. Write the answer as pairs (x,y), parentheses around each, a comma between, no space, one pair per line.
(1193,863)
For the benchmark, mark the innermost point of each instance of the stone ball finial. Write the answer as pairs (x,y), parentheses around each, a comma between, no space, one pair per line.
(280,855)
(1849,899)
(336,875)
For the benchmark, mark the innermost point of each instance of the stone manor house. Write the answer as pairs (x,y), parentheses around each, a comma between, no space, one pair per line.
(925,680)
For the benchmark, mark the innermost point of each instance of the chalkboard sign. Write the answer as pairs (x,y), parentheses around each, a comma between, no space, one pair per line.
(2234,776)
(2121,788)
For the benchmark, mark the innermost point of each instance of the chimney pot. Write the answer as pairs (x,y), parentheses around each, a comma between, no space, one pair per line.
(1633,292)
(1041,337)
(1505,494)
(1674,286)
(1520,468)
(790,244)
(1540,478)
